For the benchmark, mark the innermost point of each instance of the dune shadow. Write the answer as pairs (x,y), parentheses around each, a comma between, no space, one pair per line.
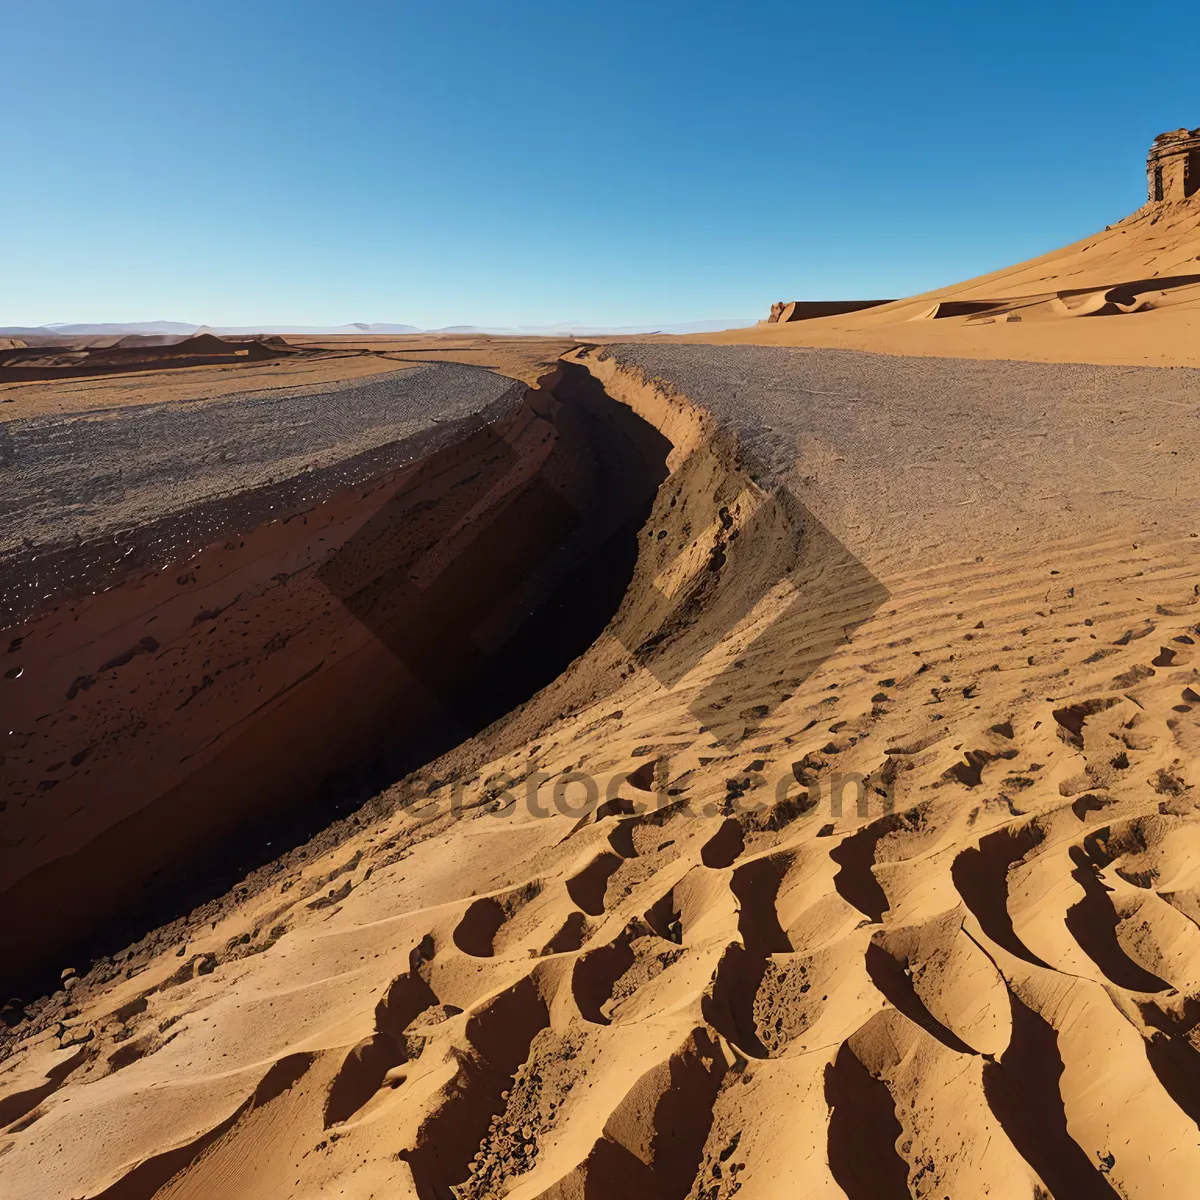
(980,876)
(863,1132)
(1022,1090)
(834,593)
(855,881)
(1093,924)
(890,977)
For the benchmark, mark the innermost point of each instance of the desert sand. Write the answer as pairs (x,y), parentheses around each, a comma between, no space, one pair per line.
(1144,269)
(855,855)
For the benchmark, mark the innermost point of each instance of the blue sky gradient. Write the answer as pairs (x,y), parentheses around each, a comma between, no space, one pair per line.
(526,162)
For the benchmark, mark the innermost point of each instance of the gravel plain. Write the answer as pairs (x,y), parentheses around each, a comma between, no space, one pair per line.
(906,457)
(85,497)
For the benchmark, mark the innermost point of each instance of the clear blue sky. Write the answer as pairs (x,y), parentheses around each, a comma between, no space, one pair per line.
(522,162)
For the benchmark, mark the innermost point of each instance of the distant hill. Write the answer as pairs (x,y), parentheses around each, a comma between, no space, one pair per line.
(59,329)
(355,328)
(374,329)
(179,329)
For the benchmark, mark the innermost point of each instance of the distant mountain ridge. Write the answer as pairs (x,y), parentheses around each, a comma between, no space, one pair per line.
(352,329)
(120,329)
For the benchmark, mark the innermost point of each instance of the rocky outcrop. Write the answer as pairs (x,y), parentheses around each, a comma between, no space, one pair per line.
(1173,166)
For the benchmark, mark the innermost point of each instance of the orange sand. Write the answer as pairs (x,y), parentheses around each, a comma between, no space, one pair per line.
(988,991)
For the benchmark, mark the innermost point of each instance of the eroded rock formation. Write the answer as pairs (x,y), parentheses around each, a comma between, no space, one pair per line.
(1173,166)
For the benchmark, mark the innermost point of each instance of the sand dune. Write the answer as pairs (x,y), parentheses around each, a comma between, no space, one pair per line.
(856,857)
(1144,267)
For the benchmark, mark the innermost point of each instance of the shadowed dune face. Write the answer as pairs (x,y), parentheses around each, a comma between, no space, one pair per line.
(862,1115)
